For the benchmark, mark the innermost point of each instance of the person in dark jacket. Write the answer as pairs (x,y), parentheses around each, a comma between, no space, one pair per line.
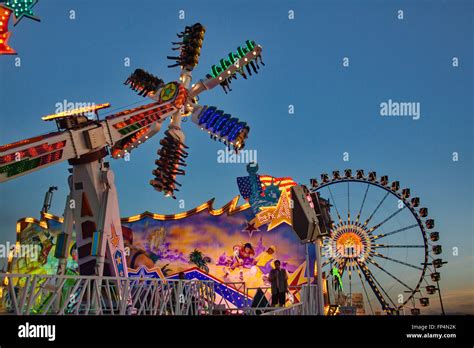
(279,281)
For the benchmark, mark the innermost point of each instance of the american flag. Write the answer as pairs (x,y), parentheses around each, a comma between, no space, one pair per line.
(245,188)
(282,183)
(264,180)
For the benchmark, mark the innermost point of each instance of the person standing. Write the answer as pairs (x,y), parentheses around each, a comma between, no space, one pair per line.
(279,283)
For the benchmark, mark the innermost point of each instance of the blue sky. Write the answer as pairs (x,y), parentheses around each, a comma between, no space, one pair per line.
(336,108)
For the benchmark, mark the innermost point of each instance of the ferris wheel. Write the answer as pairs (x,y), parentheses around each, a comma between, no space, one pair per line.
(381,246)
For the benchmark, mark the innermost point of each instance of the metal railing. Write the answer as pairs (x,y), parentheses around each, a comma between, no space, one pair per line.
(22,294)
(296,309)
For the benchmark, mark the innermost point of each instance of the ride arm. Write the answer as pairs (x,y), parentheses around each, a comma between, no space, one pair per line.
(29,155)
(213,81)
(122,132)
(129,129)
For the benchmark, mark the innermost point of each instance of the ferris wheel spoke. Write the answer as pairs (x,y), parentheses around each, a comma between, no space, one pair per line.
(363,202)
(342,267)
(385,292)
(373,285)
(394,232)
(396,246)
(350,283)
(365,291)
(377,208)
(335,206)
(390,274)
(397,261)
(387,219)
(348,203)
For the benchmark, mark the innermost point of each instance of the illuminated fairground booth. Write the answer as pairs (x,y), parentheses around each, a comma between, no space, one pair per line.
(230,246)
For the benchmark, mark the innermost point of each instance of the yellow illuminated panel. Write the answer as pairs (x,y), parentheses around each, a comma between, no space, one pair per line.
(74,112)
(230,208)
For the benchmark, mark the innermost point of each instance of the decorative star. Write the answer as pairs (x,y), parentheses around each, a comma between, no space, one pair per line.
(275,216)
(250,229)
(114,238)
(168,92)
(21,8)
(4,33)
(4,47)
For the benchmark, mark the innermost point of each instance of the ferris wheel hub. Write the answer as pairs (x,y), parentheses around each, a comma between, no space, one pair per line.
(350,240)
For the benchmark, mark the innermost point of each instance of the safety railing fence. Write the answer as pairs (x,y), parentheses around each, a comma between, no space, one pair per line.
(82,295)
(296,309)
(90,295)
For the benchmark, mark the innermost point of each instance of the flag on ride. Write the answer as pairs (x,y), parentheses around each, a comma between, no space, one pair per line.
(263,181)
(282,183)
(245,186)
